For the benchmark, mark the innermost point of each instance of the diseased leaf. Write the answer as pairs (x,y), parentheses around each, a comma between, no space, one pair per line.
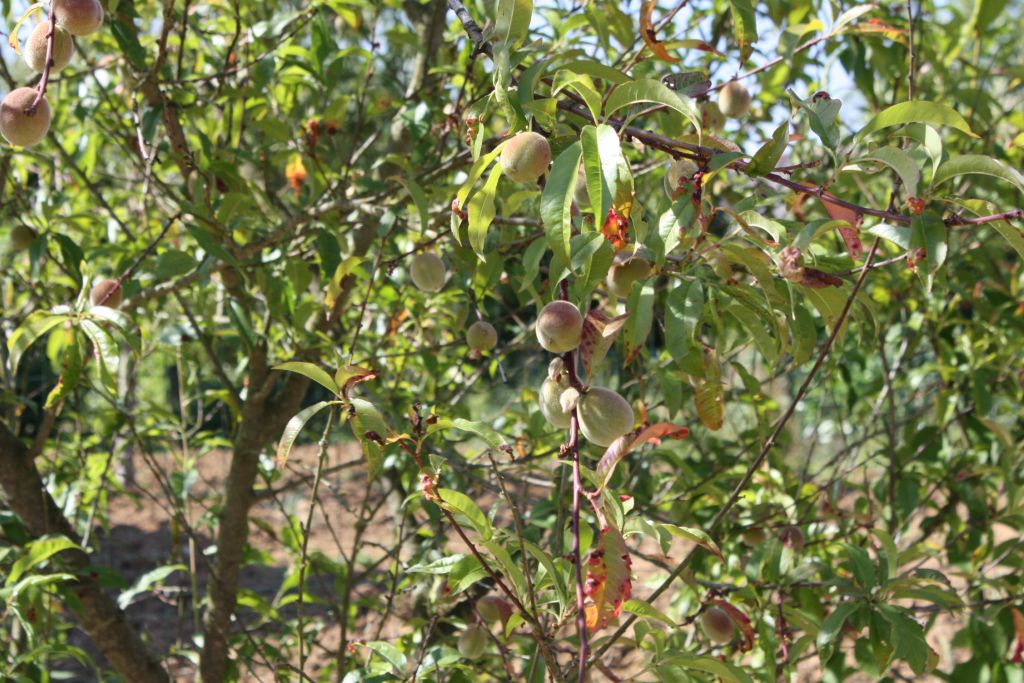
(599,333)
(648,34)
(851,235)
(744,26)
(709,399)
(608,583)
(622,446)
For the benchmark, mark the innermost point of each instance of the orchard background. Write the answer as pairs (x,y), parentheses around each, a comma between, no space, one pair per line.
(261,451)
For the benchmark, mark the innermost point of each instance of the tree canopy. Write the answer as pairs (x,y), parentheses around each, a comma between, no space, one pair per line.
(468,340)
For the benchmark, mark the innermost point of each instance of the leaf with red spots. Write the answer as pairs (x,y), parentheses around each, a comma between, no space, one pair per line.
(608,582)
(599,333)
(621,447)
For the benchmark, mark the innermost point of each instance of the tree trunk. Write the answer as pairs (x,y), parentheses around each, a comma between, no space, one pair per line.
(98,614)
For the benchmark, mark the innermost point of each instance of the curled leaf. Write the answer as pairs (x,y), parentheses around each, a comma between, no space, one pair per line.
(599,332)
(622,446)
(851,235)
(648,34)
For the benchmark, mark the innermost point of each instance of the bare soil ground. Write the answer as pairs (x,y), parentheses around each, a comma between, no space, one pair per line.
(140,536)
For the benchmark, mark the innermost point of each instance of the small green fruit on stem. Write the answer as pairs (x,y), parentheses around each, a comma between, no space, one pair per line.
(19,127)
(560,327)
(604,416)
(428,272)
(79,17)
(35,48)
(525,158)
(734,100)
(473,642)
(107,293)
(717,625)
(481,336)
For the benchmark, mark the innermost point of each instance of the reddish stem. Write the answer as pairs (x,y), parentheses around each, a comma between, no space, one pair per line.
(577,499)
(45,80)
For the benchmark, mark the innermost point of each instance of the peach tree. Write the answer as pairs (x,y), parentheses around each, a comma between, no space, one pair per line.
(670,341)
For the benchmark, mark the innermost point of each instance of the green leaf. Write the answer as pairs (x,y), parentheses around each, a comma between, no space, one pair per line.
(650,90)
(419,199)
(35,326)
(391,654)
(145,582)
(899,161)
(766,158)
(556,202)
(908,638)
(445,565)
(833,626)
(482,211)
(38,552)
(696,536)
(454,501)
(917,111)
(744,26)
(683,309)
(978,164)
(512,21)
(294,427)
(313,372)
(645,610)
(368,419)
(723,670)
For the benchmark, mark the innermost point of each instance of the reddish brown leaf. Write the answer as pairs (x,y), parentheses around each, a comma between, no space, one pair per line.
(648,34)
(850,235)
(599,333)
(608,582)
(742,622)
(621,447)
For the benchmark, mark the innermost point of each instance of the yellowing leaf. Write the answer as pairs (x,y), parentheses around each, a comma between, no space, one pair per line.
(710,401)
(648,34)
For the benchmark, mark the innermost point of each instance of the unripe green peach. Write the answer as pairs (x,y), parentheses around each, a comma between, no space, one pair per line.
(717,625)
(550,404)
(754,536)
(678,170)
(107,293)
(22,237)
(35,48)
(428,272)
(492,609)
(711,117)
(734,100)
(560,327)
(621,276)
(473,642)
(792,537)
(481,336)
(525,157)
(79,17)
(18,127)
(604,416)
